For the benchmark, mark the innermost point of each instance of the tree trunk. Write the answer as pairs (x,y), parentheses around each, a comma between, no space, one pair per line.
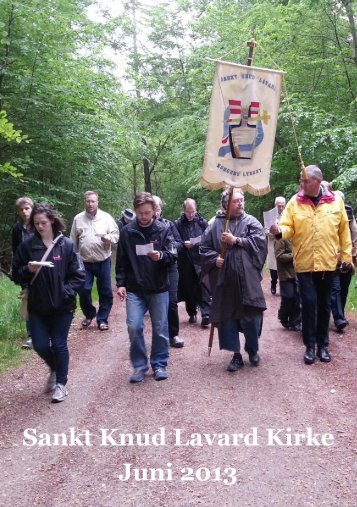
(349,11)
(147,175)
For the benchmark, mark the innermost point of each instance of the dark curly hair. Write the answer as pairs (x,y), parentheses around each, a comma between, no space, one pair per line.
(58,224)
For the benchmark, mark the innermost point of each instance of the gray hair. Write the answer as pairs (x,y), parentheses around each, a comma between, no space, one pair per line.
(225,196)
(314,171)
(280,198)
(158,201)
(189,201)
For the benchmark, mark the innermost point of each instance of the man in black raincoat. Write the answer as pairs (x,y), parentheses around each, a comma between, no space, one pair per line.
(235,278)
(191,225)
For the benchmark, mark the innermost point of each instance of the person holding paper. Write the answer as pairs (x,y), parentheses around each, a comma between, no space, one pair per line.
(317,223)
(146,250)
(93,232)
(235,278)
(280,203)
(191,225)
(52,292)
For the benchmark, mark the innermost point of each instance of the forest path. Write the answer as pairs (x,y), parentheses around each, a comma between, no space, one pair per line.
(199,397)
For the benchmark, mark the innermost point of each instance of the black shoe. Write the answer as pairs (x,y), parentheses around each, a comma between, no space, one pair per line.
(285,324)
(341,324)
(323,354)
(160,374)
(236,362)
(205,321)
(273,289)
(137,376)
(254,359)
(309,356)
(297,328)
(192,319)
(177,342)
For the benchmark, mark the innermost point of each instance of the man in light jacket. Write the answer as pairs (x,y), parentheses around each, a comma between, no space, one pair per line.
(317,223)
(93,232)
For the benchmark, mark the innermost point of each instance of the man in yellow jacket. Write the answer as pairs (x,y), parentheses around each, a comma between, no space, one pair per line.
(317,223)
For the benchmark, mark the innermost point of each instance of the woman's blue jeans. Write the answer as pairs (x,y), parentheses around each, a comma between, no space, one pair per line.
(49,339)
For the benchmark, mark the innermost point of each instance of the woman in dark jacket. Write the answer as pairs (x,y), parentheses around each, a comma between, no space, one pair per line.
(52,295)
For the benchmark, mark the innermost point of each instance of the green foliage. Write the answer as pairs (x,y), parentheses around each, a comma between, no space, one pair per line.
(89,131)
(352,296)
(12,328)
(8,132)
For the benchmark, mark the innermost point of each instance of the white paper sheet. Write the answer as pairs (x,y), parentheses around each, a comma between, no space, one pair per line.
(144,249)
(270,218)
(195,241)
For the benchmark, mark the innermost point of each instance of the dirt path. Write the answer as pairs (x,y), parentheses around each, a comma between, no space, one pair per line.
(200,397)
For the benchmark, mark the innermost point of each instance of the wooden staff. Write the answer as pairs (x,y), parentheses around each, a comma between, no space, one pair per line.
(252,45)
(222,254)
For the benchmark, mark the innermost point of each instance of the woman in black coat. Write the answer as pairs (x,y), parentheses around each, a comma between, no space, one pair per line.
(52,293)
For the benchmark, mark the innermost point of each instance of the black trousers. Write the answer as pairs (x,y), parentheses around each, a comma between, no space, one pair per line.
(274,277)
(289,312)
(173,317)
(315,294)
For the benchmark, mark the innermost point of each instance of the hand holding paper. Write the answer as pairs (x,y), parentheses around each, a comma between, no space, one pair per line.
(154,255)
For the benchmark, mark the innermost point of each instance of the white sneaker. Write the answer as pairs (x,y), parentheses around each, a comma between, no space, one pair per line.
(51,382)
(60,393)
(27,344)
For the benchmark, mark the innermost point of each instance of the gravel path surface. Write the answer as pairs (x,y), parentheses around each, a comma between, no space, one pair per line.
(209,431)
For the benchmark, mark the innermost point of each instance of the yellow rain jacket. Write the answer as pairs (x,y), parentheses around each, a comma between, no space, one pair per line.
(318,233)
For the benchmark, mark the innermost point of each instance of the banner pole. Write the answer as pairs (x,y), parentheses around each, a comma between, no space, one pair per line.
(252,45)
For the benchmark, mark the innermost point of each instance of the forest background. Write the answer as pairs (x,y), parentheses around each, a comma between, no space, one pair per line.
(118,101)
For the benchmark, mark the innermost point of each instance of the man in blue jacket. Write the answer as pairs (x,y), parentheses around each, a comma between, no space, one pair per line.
(146,250)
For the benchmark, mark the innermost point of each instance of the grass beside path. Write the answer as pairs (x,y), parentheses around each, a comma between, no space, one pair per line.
(352,295)
(12,327)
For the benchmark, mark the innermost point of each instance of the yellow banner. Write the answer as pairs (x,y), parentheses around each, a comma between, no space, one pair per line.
(241,129)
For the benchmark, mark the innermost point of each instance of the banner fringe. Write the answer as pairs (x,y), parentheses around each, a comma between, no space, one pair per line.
(246,188)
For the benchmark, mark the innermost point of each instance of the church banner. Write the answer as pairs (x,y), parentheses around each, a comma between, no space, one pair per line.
(241,129)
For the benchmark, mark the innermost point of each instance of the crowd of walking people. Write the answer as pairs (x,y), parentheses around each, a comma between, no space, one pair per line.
(214,267)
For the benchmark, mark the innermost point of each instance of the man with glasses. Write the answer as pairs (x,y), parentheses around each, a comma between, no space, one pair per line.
(317,224)
(235,278)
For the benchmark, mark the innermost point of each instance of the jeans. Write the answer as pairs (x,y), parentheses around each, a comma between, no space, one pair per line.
(173,316)
(49,339)
(100,270)
(228,334)
(339,293)
(136,307)
(315,294)
(345,280)
(336,303)
(28,329)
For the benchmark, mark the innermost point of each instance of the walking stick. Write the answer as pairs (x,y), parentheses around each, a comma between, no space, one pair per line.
(252,45)
(222,254)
